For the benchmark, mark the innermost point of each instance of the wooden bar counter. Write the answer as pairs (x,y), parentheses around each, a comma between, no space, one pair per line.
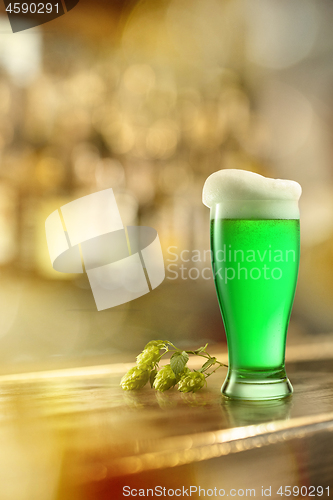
(74,434)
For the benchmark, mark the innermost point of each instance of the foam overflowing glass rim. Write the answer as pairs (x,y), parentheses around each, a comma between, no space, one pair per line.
(241,194)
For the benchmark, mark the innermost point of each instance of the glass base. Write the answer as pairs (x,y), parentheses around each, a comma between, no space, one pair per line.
(257,386)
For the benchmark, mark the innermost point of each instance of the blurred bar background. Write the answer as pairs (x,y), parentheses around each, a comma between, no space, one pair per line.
(150,98)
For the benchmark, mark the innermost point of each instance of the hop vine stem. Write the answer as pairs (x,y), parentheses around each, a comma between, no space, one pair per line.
(202,354)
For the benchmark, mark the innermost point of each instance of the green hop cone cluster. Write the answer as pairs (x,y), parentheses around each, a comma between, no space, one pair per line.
(148,357)
(192,382)
(146,363)
(171,374)
(135,378)
(165,379)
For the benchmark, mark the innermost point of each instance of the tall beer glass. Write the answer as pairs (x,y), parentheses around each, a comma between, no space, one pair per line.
(255,256)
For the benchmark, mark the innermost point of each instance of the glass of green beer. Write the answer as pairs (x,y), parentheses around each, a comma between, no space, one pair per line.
(255,243)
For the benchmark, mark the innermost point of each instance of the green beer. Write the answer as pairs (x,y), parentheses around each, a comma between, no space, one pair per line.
(255,258)
(255,265)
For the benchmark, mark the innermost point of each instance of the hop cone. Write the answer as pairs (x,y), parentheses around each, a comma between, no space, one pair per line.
(165,379)
(183,374)
(191,382)
(148,356)
(135,378)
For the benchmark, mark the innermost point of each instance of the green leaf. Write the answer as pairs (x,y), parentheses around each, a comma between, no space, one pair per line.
(178,362)
(208,364)
(153,374)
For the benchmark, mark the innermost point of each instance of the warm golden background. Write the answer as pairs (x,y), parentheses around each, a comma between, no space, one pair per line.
(150,98)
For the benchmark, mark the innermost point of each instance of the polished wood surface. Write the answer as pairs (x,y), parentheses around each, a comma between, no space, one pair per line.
(74,434)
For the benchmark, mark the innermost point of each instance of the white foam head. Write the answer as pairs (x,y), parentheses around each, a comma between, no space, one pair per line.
(239,194)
